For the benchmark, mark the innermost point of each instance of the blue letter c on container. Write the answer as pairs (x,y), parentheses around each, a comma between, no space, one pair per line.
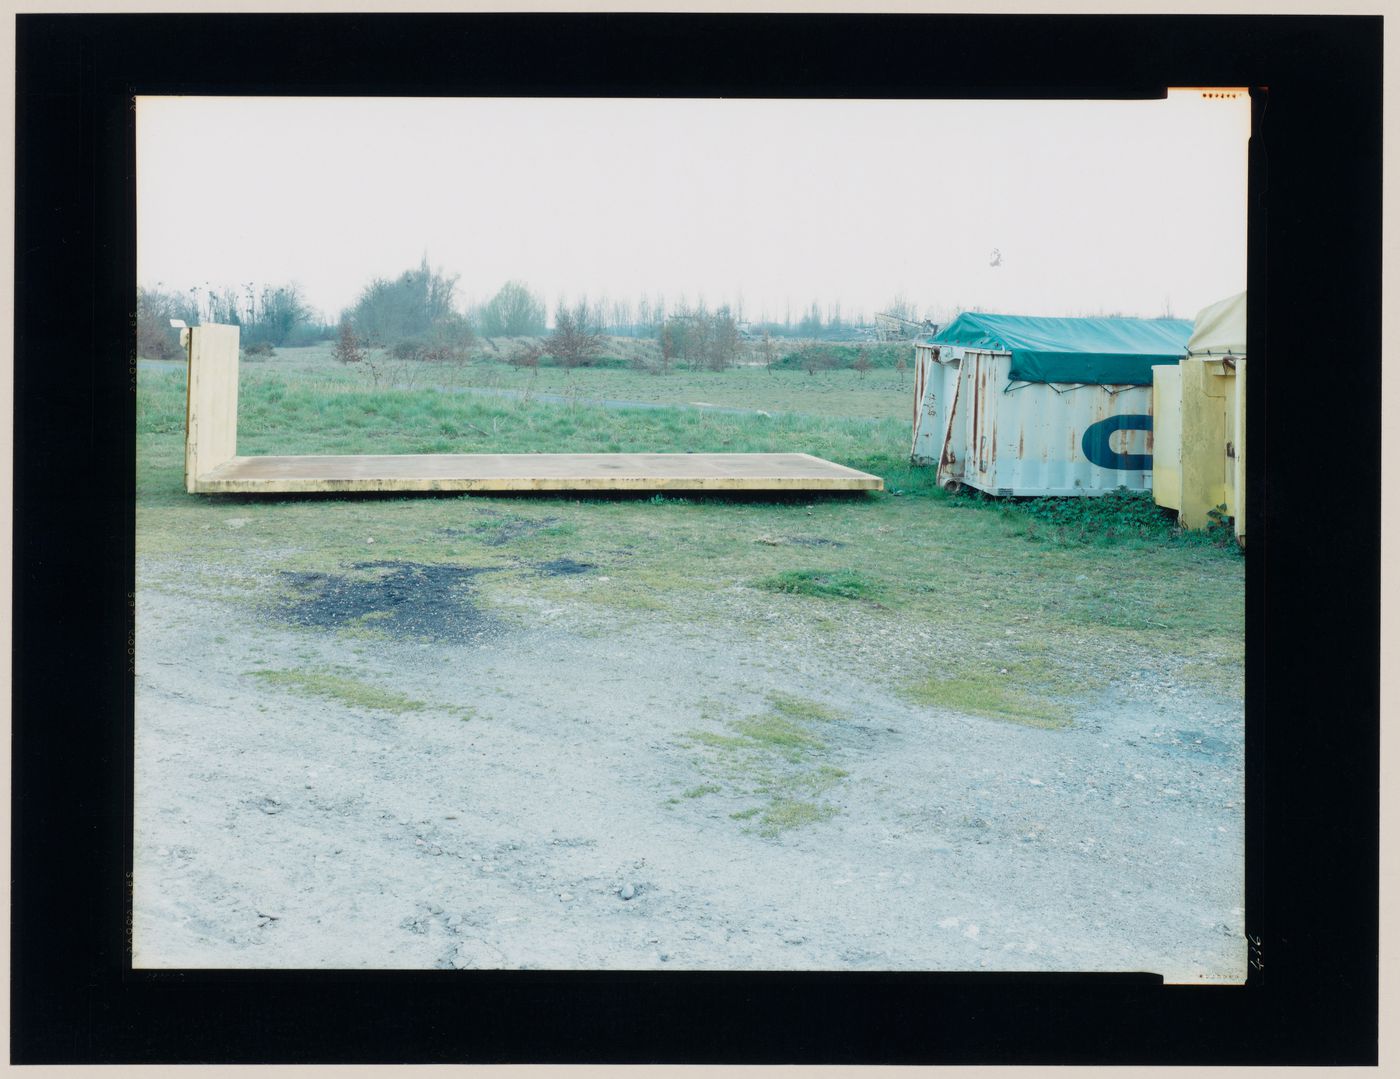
(1096,447)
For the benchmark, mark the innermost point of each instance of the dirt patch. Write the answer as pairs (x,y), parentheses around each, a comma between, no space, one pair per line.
(808,819)
(434,602)
(563,567)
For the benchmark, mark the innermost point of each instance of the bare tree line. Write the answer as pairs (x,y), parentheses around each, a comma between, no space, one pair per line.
(418,315)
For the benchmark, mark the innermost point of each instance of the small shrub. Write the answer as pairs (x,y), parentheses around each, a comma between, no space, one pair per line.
(525,354)
(347,345)
(411,348)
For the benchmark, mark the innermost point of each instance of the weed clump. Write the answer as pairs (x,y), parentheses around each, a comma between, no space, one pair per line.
(831,584)
(342,688)
(991,694)
(1120,517)
(785,813)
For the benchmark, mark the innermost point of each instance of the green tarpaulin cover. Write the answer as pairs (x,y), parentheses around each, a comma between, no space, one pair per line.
(1105,351)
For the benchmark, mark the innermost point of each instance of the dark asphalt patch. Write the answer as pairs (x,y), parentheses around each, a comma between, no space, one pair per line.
(563,567)
(401,599)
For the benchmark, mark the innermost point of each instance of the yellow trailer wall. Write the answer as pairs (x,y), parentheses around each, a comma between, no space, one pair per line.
(1166,436)
(1198,430)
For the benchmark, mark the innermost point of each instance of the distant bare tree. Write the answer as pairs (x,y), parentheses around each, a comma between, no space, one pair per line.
(767,349)
(862,363)
(575,340)
(816,358)
(722,340)
(902,307)
(668,347)
(154,310)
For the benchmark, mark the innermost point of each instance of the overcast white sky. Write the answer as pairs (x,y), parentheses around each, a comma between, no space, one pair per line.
(1095,207)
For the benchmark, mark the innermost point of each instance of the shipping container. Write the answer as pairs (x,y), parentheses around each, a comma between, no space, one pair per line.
(1016,405)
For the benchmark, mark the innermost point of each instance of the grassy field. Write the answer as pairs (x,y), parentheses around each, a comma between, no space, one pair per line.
(878,394)
(982,606)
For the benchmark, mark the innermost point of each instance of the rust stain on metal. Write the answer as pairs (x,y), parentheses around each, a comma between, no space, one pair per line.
(976,397)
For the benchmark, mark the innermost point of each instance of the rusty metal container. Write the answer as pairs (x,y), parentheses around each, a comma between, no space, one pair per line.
(980,421)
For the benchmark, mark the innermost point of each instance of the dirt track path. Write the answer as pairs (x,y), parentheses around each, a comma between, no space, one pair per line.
(558,762)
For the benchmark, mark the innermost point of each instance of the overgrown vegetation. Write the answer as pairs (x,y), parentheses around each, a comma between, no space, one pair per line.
(1115,518)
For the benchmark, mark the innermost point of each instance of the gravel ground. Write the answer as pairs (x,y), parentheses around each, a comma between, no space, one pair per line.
(555,804)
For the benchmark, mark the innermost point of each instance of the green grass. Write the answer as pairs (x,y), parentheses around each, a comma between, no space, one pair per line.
(772,731)
(800,709)
(341,688)
(1095,588)
(783,814)
(832,584)
(989,692)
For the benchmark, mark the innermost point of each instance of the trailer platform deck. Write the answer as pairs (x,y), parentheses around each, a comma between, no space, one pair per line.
(535,472)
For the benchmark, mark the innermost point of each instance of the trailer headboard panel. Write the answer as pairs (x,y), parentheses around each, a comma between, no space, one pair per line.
(211,411)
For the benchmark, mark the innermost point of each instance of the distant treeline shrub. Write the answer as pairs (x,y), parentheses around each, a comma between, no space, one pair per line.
(155,339)
(825,357)
(700,339)
(415,306)
(275,316)
(577,340)
(513,312)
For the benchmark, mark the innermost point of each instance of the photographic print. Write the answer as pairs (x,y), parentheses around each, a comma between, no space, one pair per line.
(691,534)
